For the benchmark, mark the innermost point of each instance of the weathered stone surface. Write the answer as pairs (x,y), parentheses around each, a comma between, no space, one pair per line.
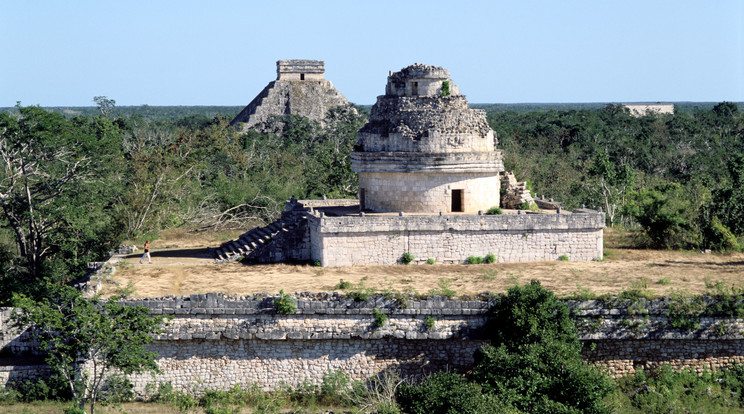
(203,349)
(300,89)
(424,150)
(514,193)
(451,239)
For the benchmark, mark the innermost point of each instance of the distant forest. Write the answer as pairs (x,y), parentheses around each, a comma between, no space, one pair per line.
(76,182)
(229,112)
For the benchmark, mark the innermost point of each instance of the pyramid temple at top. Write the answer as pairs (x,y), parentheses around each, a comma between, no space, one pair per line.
(300,88)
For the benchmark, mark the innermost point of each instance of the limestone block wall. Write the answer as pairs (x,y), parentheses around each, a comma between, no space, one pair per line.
(428,81)
(13,340)
(432,141)
(429,192)
(217,341)
(382,240)
(622,336)
(293,69)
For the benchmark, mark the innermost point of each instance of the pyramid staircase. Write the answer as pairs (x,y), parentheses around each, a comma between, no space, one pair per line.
(251,241)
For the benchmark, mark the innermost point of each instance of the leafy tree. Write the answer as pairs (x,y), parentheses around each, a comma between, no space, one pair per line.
(667,215)
(105,105)
(534,362)
(614,182)
(85,339)
(719,237)
(725,109)
(51,170)
(728,199)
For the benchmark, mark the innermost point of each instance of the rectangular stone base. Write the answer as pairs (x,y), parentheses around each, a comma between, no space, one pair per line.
(382,240)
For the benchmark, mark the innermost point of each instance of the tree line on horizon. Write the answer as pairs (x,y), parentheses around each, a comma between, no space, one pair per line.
(73,188)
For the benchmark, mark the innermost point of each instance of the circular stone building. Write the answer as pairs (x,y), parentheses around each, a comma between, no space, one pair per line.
(424,150)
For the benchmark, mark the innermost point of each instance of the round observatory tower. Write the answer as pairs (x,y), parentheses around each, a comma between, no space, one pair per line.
(424,150)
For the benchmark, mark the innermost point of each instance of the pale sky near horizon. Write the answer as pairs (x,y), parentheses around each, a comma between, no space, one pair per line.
(62,53)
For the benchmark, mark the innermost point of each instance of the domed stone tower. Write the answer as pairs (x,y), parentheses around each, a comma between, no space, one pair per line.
(424,150)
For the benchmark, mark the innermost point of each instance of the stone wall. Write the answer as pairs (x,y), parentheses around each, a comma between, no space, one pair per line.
(639,110)
(217,341)
(214,341)
(427,79)
(12,340)
(382,240)
(300,69)
(428,192)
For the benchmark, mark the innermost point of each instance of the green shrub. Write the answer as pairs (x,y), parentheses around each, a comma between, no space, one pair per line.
(166,394)
(406,258)
(360,293)
(666,214)
(431,261)
(445,88)
(377,394)
(684,311)
(430,322)
(117,389)
(664,390)
(284,303)
(535,363)
(443,289)
(334,388)
(665,281)
(490,258)
(446,392)
(475,260)
(564,258)
(53,388)
(638,290)
(380,317)
(358,296)
(582,293)
(527,206)
(494,211)
(9,395)
(343,285)
(719,237)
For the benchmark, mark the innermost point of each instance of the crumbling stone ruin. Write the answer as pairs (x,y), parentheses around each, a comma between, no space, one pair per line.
(216,341)
(428,170)
(300,88)
(514,194)
(424,150)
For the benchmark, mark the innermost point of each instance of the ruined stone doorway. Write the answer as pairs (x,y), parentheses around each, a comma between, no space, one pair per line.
(457,204)
(361,199)
(302,76)
(414,88)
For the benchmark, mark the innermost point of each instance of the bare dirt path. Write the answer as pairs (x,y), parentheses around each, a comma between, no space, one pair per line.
(181,266)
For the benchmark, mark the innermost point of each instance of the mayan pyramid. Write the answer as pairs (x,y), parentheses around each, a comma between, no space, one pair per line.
(300,88)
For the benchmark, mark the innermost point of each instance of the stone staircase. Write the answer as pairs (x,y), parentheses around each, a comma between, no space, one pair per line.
(251,241)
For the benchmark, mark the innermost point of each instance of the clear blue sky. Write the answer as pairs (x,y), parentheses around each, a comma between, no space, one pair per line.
(62,53)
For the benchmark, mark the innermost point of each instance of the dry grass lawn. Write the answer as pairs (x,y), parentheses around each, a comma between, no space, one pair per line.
(181,266)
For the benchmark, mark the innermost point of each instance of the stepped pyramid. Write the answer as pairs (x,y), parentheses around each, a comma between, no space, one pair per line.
(300,88)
